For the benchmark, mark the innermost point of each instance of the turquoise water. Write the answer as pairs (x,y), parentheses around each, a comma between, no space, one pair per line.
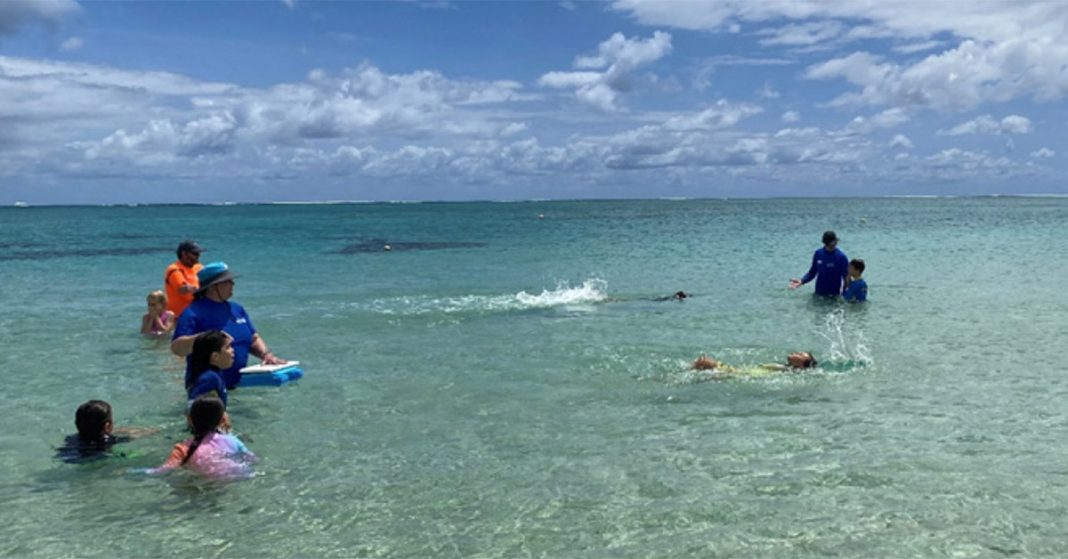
(500,385)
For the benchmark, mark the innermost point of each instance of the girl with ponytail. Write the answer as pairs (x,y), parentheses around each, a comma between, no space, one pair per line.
(211,452)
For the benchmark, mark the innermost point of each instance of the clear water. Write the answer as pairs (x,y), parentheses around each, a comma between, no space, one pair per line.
(519,394)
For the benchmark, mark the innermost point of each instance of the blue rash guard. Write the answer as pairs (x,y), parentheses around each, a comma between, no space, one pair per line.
(207,383)
(204,315)
(829,269)
(857,291)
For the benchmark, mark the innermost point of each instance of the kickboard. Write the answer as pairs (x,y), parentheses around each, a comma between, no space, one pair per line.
(276,377)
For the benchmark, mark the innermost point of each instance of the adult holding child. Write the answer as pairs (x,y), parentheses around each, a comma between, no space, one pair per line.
(180,278)
(213,310)
(830,268)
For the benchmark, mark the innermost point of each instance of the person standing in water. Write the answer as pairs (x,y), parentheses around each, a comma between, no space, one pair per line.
(180,278)
(830,268)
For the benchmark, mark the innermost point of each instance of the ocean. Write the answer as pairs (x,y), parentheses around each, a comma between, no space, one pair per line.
(503,383)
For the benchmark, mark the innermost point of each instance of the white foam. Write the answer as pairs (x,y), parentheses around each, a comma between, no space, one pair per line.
(845,344)
(591,291)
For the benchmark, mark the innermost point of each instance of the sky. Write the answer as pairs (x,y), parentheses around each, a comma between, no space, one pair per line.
(150,102)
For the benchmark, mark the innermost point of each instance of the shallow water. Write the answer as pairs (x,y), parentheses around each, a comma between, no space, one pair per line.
(500,385)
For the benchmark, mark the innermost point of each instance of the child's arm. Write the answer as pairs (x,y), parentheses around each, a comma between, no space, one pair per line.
(174,461)
(165,322)
(135,432)
(168,321)
(146,324)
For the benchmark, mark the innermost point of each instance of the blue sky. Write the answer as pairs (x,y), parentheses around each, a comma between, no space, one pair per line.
(120,102)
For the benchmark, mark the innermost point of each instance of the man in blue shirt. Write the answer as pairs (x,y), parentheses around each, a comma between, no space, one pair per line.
(829,267)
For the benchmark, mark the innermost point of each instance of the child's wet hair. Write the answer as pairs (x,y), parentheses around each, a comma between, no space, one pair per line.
(91,418)
(157,297)
(204,346)
(811,361)
(858,264)
(205,415)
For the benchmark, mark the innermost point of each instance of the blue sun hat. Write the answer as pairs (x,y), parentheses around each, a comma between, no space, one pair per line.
(213,273)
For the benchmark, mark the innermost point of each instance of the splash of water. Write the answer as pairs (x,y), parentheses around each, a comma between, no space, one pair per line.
(844,344)
(593,290)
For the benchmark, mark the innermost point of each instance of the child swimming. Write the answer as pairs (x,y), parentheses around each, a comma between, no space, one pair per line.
(96,434)
(212,352)
(211,452)
(158,321)
(794,361)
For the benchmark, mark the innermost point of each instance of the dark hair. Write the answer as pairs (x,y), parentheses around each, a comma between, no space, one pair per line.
(203,347)
(187,246)
(91,418)
(810,362)
(858,264)
(829,237)
(205,415)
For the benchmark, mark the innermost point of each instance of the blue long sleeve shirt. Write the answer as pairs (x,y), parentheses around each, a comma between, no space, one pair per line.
(829,269)
(857,291)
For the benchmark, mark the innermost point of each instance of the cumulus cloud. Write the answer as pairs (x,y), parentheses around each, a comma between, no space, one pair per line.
(615,61)
(901,141)
(1007,50)
(986,124)
(790,117)
(889,118)
(1043,153)
(16,14)
(721,115)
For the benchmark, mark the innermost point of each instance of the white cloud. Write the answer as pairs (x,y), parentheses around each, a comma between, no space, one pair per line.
(1043,153)
(1007,49)
(721,115)
(985,124)
(72,44)
(618,57)
(768,92)
(885,119)
(790,117)
(804,34)
(912,48)
(900,141)
(15,14)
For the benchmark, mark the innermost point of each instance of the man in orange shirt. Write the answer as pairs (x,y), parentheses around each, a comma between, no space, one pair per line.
(180,279)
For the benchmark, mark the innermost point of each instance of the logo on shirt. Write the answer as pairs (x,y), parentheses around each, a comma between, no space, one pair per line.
(240,321)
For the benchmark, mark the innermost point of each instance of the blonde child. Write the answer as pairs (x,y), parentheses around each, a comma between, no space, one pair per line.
(158,321)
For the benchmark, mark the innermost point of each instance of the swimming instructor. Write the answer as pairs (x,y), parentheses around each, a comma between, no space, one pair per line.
(213,310)
(830,267)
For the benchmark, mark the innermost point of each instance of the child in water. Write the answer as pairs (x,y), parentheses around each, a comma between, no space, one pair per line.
(212,353)
(858,288)
(212,452)
(96,434)
(795,360)
(158,321)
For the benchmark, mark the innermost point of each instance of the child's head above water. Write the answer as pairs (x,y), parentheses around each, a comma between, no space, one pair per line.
(801,360)
(93,420)
(856,267)
(206,414)
(211,349)
(157,301)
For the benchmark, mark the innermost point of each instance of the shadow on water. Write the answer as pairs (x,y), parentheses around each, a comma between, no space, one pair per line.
(50,254)
(380,245)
